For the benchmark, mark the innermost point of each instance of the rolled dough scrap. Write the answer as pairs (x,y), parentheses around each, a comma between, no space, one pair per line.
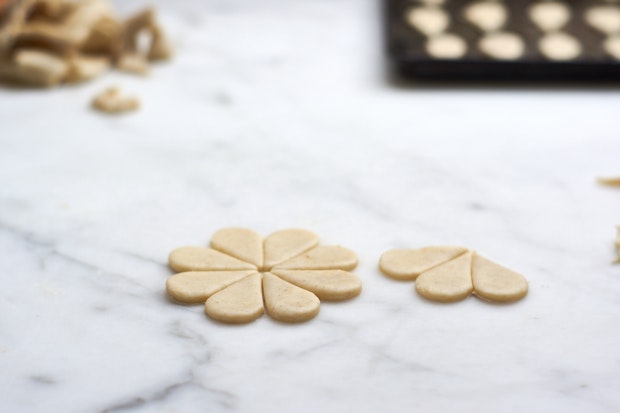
(196,286)
(286,244)
(205,259)
(241,243)
(446,46)
(605,19)
(502,45)
(612,47)
(428,20)
(328,285)
(240,302)
(487,15)
(496,283)
(287,302)
(549,16)
(448,282)
(407,264)
(559,46)
(322,258)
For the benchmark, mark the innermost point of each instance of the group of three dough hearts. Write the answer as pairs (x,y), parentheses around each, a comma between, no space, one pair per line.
(241,275)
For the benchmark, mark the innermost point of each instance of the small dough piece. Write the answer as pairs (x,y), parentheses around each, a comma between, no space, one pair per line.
(241,243)
(550,16)
(428,20)
(617,245)
(286,244)
(287,302)
(559,46)
(329,285)
(446,46)
(502,45)
(196,286)
(487,15)
(612,47)
(449,282)
(407,264)
(328,257)
(205,259)
(111,101)
(610,181)
(496,283)
(240,302)
(605,19)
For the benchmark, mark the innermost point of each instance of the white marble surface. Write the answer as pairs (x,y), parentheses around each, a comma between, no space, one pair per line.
(278,114)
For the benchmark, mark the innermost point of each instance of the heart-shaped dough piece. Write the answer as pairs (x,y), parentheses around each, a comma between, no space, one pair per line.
(240,302)
(407,264)
(497,283)
(241,243)
(447,282)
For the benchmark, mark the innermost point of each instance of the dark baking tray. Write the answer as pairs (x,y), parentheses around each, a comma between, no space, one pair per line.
(408,57)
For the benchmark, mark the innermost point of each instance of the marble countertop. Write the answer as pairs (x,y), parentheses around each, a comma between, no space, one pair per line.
(280,114)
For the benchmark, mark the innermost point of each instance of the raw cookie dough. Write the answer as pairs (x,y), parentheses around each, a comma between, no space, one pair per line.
(612,46)
(559,46)
(288,269)
(447,274)
(446,46)
(487,15)
(448,282)
(549,16)
(605,19)
(502,45)
(496,283)
(407,264)
(428,20)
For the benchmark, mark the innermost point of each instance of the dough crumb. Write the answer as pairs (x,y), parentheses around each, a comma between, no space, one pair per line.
(111,101)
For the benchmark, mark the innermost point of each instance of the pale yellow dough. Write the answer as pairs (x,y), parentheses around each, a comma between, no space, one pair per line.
(240,302)
(196,286)
(205,259)
(241,243)
(549,16)
(322,258)
(428,20)
(617,245)
(446,46)
(287,302)
(407,264)
(286,244)
(448,282)
(559,46)
(605,19)
(612,47)
(328,285)
(487,15)
(502,45)
(497,283)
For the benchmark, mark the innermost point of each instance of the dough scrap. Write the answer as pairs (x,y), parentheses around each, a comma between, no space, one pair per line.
(328,285)
(287,302)
(408,264)
(448,282)
(240,302)
(446,46)
(496,283)
(487,15)
(428,20)
(549,16)
(502,45)
(605,19)
(559,46)
(448,274)
(225,276)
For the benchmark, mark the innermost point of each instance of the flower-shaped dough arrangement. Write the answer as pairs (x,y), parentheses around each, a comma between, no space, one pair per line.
(448,274)
(241,275)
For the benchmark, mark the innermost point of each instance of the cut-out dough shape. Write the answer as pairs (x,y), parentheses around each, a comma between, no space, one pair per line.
(605,19)
(448,282)
(233,276)
(287,302)
(428,20)
(407,264)
(240,243)
(322,258)
(205,259)
(487,15)
(549,16)
(328,285)
(502,45)
(196,286)
(496,283)
(612,47)
(448,274)
(240,302)
(446,46)
(559,46)
(286,244)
